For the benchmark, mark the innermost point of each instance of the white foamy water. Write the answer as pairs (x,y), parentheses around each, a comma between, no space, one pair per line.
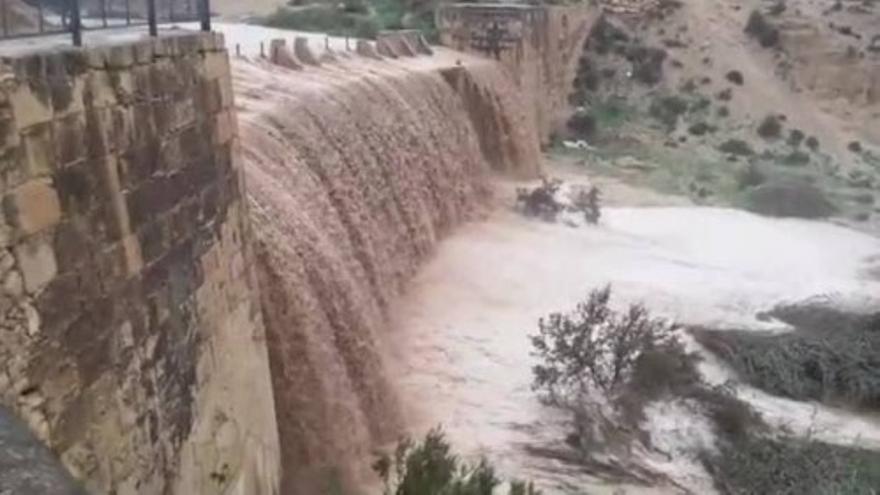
(461,339)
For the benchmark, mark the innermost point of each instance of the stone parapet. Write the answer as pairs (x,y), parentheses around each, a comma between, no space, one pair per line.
(131,341)
(539,44)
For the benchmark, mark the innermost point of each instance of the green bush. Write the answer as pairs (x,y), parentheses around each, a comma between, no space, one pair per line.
(356,18)
(770,127)
(700,129)
(736,147)
(647,63)
(326,19)
(750,176)
(593,348)
(796,159)
(667,109)
(430,468)
(790,466)
(795,137)
(761,29)
(789,198)
(582,124)
(836,364)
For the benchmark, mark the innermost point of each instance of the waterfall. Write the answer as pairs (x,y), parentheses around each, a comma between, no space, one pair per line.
(353,172)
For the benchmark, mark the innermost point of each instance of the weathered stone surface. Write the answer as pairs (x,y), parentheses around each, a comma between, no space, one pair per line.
(36,259)
(39,149)
(304,52)
(216,65)
(118,187)
(33,206)
(529,41)
(28,107)
(366,49)
(280,55)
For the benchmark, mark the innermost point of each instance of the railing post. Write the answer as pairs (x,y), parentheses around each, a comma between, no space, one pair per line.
(5,20)
(205,14)
(151,18)
(75,23)
(40,20)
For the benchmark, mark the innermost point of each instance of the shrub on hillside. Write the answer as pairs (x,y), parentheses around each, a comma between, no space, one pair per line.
(789,199)
(667,109)
(770,127)
(812,143)
(328,19)
(700,129)
(582,124)
(795,137)
(430,468)
(796,159)
(790,466)
(854,146)
(736,147)
(596,355)
(607,37)
(547,202)
(762,30)
(750,176)
(647,63)
(839,363)
(735,77)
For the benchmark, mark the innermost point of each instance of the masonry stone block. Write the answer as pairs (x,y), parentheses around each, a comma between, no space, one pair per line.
(99,89)
(36,258)
(142,83)
(122,128)
(28,108)
(224,127)
(142,52)
(65,84)
(304,52)
(39,149)
(226,94)
(117,183)
(33,206)
(216,65)
(123,86)
(208,98)
(98,131)
(69,137)
(120,57)
(9,137)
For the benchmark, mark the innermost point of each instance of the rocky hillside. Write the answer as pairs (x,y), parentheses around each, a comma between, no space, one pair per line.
(733,102)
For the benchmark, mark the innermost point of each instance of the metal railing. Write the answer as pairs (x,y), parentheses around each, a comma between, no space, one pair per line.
(30,18)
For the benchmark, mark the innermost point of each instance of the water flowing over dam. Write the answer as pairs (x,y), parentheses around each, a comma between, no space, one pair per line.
(354,173)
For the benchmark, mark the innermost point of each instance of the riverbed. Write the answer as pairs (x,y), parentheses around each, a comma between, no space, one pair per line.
(462,357)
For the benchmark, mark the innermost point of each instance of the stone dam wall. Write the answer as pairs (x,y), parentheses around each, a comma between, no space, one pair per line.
(538,45)
(131,340)
(200,257)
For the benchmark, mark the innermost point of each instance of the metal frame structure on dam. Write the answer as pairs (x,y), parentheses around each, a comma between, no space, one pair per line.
(66,16)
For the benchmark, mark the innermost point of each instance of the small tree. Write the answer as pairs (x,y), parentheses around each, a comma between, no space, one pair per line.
(594,348)
(430,468)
